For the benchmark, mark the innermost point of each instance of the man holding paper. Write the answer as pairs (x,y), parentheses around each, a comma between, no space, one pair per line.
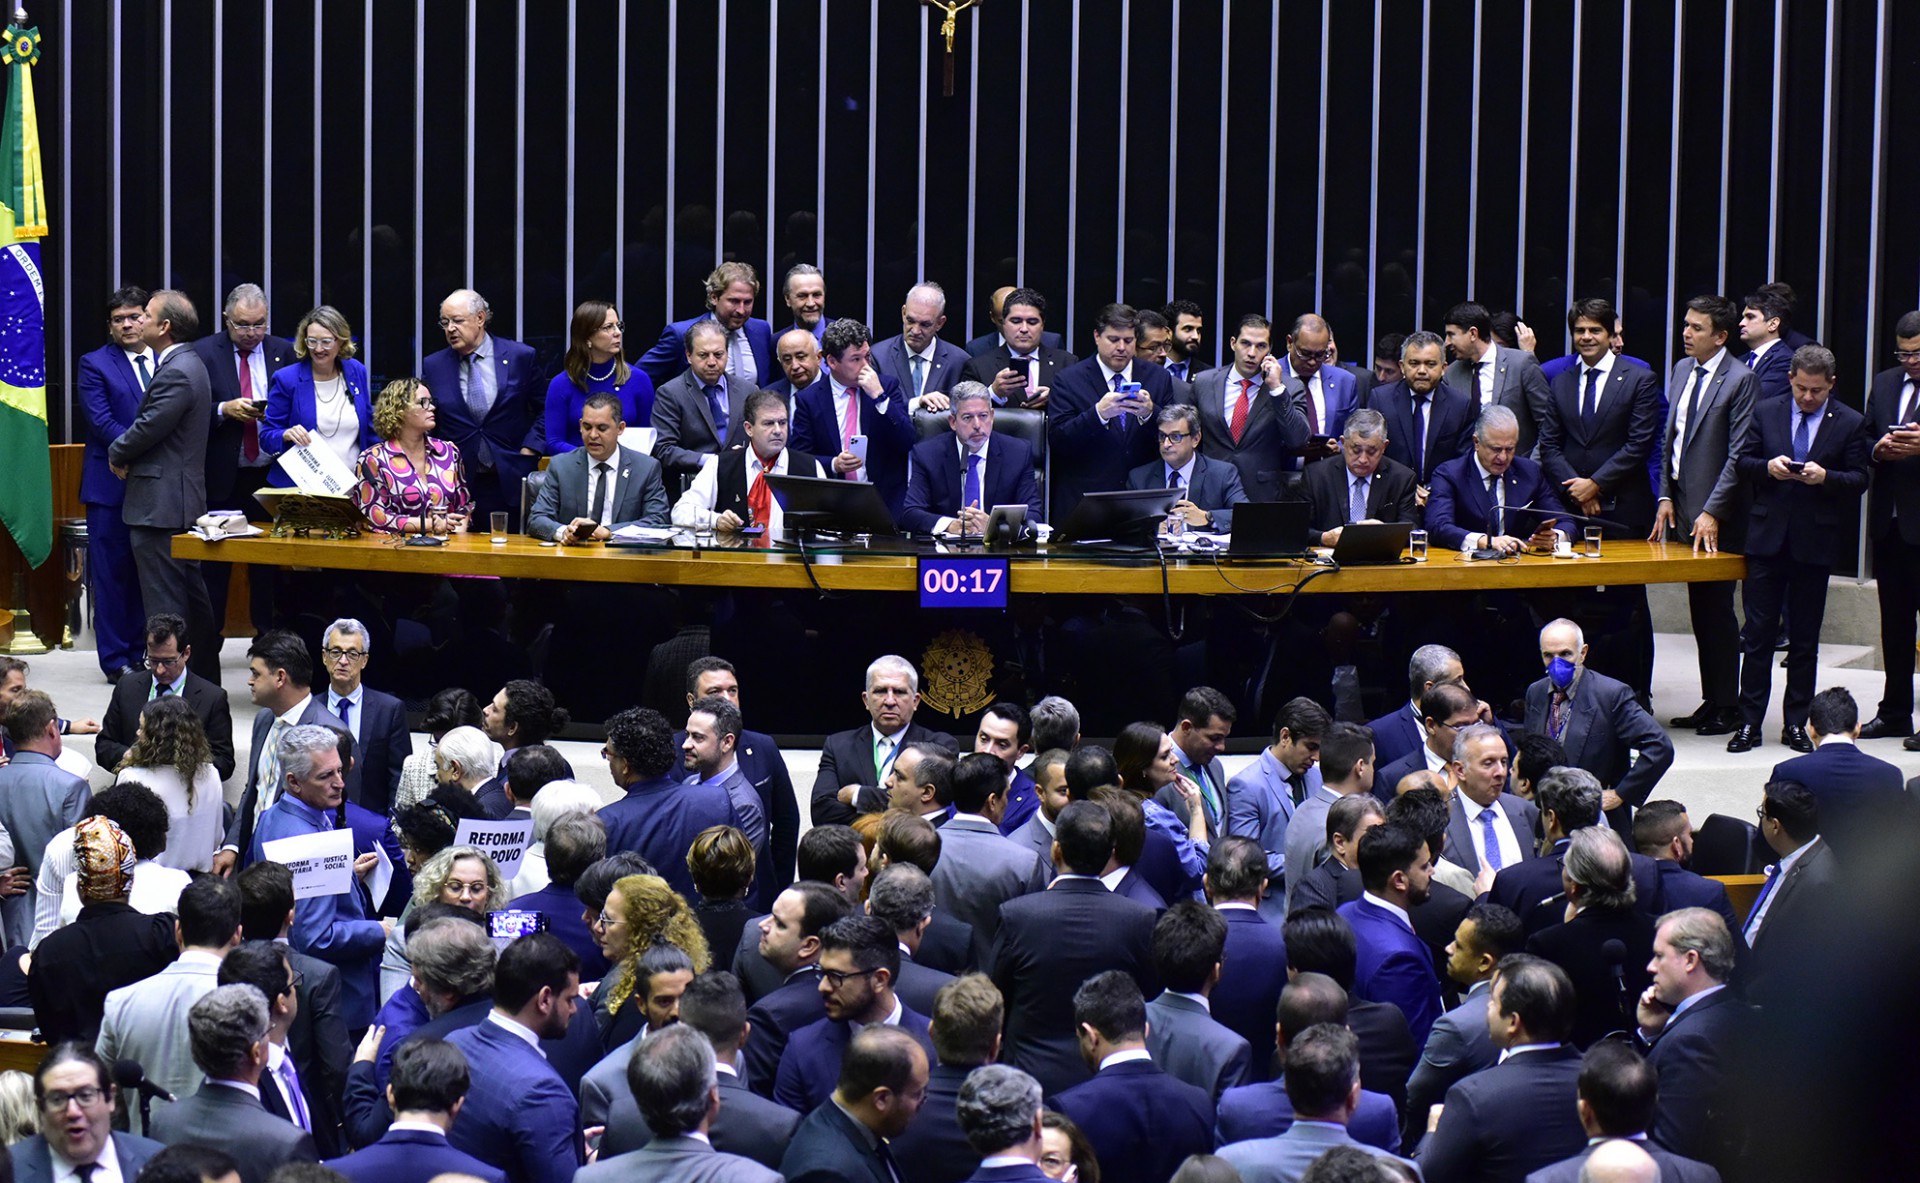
(336,925)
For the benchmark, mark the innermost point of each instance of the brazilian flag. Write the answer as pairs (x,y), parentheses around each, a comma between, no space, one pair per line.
(26,481)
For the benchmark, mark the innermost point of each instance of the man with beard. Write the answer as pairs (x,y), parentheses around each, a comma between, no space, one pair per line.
(1393,964)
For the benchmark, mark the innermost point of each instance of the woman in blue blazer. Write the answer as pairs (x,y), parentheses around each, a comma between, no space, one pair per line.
(595,365)
(322,399)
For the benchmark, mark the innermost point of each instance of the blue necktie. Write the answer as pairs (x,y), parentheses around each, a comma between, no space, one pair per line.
(1752,927)
(970,488)
(1589,402)
(1801,438)
(146,376)
(1420,436)
(1492,839)
(919,375)
(717,403)
(477,406)
(1357,504)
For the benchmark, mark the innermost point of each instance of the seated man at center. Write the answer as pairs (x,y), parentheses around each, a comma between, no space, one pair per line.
(1209,489)
(955,481)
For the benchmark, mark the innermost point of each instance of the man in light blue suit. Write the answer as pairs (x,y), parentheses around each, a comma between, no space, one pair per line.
(38,798)
(1261,798)
(111,381)
(1326,393)
(600,486)
(1346,768)
(1393,964)
(922,363)
(732,290)
(66,1072)
(1323,1081)
(954,482)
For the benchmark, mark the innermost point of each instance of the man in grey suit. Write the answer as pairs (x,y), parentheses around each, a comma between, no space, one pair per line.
(73,1077)
(1460,1044)
(1323,1082)
(1206,718)
(1049,773)
(1488,826)
(162,456)
(699,411)
(925,366)
(280,680)
(1493,375)
(979,869)
(1703,501)
(38,799)
(228,1029)
(600,486)
(147,1021)
(1346,768)
(673,1078)
(1268,407)
(901,895)
(1189,940)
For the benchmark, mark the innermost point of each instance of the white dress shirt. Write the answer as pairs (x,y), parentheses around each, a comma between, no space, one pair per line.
(694,509)
(1682,398)
(1511,851)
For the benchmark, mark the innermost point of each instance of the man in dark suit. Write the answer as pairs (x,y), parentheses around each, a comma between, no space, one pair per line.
(1142,1121)
(1394,965)
(1051,941)
(1806,462)
(674,1079)
(660,816)
(428,1084)
(1493,375)
(797,354)
(600,486)
(1703,499)
(1446,709)
(1791,907)
(519,1114)
(112,381)
(64,1075)
(1460,1044)
(1366,485)
(1520,1115)
(732,493)
(162,458)
(854,764)
(168,653)
(748,1124)
(761,762)
(1485,817)
(1100,422)
(1253,963)
(1428,422)
(318,1039)
(883,1080)
(1189,940)
(790,944)
(488,402)
(1026,338)
(1616,1091)
(280,680)
(1186,331)
(859,960)
(917,358)
(1605,941)
(378,721)
(699,411)
(804,291)
(288,1088)
(1568,801)
(1694,1031)
(853,402)
(229,1028)
(1478,499)
(732,289)
(1662,833)
(1764,317)
(1404,731)
(1336,881)
(1599,723)
(1254,394)
(1328,393)
(1856,792)
(1209,489)
(1893,522)
(967,1017)
(1320,941)
(955,481)
(1323,1088)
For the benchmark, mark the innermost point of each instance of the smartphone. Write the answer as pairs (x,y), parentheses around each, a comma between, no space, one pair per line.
(858,446)
(1796,466)
(514,923)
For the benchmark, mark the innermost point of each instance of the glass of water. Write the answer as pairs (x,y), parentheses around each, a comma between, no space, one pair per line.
(498,520)
(1593,542)
(1417,545)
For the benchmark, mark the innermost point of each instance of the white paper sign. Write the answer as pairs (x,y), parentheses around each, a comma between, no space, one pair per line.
(382,877)
(322,863)
(317,469)
(505,842)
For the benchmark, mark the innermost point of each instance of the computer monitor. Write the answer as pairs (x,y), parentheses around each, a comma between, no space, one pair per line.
(1125,515)
(1270,528)
(819,503)
(1371,543)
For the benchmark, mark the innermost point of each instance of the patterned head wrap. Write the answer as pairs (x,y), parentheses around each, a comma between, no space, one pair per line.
(104,856)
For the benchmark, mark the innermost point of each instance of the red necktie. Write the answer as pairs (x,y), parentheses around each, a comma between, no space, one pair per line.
(1239,424)
(250,435)
(760,498)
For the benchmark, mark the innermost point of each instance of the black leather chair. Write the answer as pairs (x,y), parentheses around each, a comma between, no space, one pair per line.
(529,492)
(1020,422)
(1725,845)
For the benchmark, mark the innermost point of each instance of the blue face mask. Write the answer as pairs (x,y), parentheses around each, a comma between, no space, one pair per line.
(1561,671)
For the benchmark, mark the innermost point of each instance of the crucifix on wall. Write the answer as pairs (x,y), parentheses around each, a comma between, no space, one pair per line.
(948,27)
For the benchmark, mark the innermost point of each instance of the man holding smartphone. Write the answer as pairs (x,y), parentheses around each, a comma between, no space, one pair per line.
(1021,371)
(856,415)
(1893,521)
(1100,426)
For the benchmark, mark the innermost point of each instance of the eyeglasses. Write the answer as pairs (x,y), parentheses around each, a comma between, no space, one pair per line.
(299,979)
(163,663)
(320,342)
(1760,814)
(603,921)
(88,1098)
(423,402)
(1907,354)
(465,891)
(242,326)
(1175,437)
(616,327)
(838,978)
(1312,354)
(448,322)
(333,654)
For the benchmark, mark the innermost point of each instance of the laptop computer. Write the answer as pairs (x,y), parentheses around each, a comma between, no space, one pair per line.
(1269,528)
(1364,544)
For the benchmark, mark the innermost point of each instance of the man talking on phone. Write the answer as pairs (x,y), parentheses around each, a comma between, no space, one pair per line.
(856,415)
(1100,423)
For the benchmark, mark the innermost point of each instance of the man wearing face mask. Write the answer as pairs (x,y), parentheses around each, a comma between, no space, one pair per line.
(1599,723)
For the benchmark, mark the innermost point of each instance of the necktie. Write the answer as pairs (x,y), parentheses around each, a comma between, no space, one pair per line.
(1557,715)
(1178,370)
(1473,382)
(1173,478)
(736,354)
(269,770)
(1420,436)
(1297,788)
(760,499)
(1499,508)
(1313,416)
(1238,426)
(851,427)
(1802,436)
(1913,402)
(343,707)
(1753,358)
(1693,404)
(1357,503)
(717,405)
(1766,893)
(919,375)
(296,1104)
(886,1160)
(882,758)
(970,488)
(1492,838)
(1199,778)
(83,1171)
(161,690)
(474,380)
(249,435)
(146,375)
(594,509)
(1590,400)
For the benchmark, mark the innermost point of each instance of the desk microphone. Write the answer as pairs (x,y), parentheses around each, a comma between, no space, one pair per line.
(131,1077)
(1615,951)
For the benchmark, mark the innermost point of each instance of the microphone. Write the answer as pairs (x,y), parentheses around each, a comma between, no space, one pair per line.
(1615,951)
(130,1076)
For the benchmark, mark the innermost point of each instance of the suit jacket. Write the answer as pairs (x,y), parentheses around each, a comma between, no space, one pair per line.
(1034,834)
(830,1147)
(1509,1121)
(1213,485)
(1053,356)
(1698,1059)
(33,1162)
(1342,394)
(516,420)
(1393,966)
(1387,1051)
(683,419)
(1794,915)
(1390,494)
(810,1067)
(1458,1046)
(1264,1111)
(1604,724)
(1329,885)
(949,360)
(164,450)
(1521,814)
(1605,1003)
(1518,385)
(220,1116)
(659,820)
(890,434)
(949,946)
(1023,801)
(1191,1045)
(223,376)
(1894,509)
(1717,431)
(318,1038)
(384,745)
(1048,944)
(919,984)
(412,1156)
(846,758)
(677,1160)
(979,870)
(1771,371)
(339,929)
(110,398)
(147,1023)
(1252,971)
(291,403)
(935,478)
(1306,838)
(1853,788)
(1804,523)
(1275,431)
(932,1149)
(1450,417)
(1681,888)
(1673,1168)
(1086,455)
(668,356)
(1260,807)
(766,770)
(795,1004)
(520,1115)
(1613,453)
(1286,1157)
(1143,1122)
(240,829)
(640,493)
(1395,734)
(1459,504)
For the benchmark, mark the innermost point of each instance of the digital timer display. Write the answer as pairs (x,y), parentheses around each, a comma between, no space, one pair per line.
(972,582)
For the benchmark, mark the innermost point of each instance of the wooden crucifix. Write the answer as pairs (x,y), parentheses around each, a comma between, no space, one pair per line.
(948,27)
